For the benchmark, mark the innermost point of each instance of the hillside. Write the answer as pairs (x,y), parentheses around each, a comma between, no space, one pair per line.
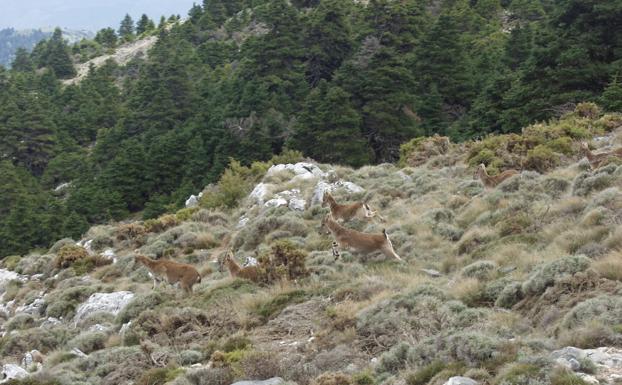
(516,284)
(11,40)
(342,82)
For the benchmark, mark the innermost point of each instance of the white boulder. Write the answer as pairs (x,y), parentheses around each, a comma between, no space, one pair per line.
(323,187)
(11,372)
(461,381)
(276,202)
(270,381)
(111,303)
(259,193)
(7,276)
(193,201)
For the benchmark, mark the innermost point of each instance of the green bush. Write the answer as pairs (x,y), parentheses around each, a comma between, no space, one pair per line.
(89,341)
(275,305)
(481,270)
(425,374)
(541,159)
(159,376)
(547,274)
(510,295)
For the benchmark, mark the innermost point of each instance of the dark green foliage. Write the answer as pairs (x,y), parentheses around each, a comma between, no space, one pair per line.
(126,29)
(144,24)
(54,54)
(106,37)
(339,81)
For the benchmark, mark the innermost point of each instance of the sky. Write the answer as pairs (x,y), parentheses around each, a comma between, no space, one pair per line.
(84,14)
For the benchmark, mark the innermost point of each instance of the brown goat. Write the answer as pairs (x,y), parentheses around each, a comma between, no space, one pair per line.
(492,181)
(348,211)
(174,272)
(361,242)
(247,272)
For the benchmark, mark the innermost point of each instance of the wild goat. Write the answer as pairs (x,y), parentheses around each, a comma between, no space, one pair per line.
(361,242)
(174,272)
(247,272)
(597,159)
(492,181)
(348,211)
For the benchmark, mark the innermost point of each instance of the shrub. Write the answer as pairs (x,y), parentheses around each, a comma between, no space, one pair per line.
(260,365)
(332,379)
(189,357)
(564,377)
(419,150)
(140,303)
(275,305)
(130,232)
(284,262)
(185,214)
(64,302)
(59,245)
(20,322)
(69,254)
(541,159)
(586,182)
(587,110)
(481,270)
(42,339)
(606,309)
(418,313)
(213,376)
(162,223)
(425,374)
(89,341)
(10,262)
(510,295)
(522,374)
(547,274)
(159,376)
(233,186)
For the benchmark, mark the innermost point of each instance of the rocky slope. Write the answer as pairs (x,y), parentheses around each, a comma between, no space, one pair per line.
(518,284)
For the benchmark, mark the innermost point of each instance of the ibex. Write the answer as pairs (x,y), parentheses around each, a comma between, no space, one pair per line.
(492,181)
(597,159)
(361,242)
(349,211)
(174,272)
(247,272)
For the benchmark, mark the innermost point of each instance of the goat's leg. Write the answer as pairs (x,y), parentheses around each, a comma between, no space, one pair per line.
(336,253)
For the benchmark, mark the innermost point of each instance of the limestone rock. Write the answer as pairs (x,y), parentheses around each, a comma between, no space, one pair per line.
(270,381)
(103,302)
(461,381)
(12,371)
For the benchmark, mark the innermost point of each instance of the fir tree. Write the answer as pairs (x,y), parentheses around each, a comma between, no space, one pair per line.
(126,29)
(144,24)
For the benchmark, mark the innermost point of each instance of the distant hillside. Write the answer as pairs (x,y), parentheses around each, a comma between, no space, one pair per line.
(12,39)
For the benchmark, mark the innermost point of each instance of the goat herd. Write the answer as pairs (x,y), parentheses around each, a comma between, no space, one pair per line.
(187,275)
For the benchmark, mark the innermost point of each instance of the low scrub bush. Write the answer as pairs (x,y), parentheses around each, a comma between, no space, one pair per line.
(481,270)
(418,314)
(159,376)
(160,224)
(284,262)
(332,379)
(547,274)
(89,342)
(419,150)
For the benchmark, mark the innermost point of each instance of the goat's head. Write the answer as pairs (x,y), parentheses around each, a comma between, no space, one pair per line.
(326,199)
(585,147)
(480,170)
(222,261)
